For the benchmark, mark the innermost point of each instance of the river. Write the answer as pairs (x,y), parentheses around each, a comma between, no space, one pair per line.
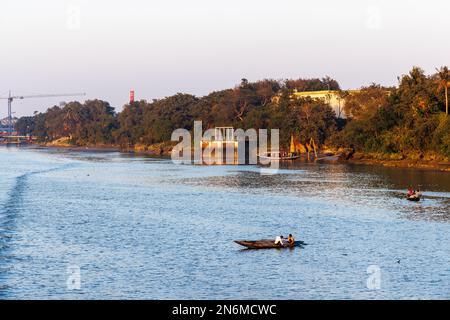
(133,227)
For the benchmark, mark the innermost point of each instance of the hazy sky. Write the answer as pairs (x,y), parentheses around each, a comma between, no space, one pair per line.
(159,48)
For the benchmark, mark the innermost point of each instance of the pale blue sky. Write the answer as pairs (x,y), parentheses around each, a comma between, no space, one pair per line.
(158,48)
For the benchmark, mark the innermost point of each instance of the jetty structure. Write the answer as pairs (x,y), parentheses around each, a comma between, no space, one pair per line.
(221,143)
(223,147)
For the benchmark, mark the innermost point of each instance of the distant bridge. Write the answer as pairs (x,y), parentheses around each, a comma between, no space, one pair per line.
(15,139)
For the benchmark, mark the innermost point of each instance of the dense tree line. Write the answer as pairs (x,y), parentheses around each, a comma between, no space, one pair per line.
(248,105)
(406,120)
(93,122)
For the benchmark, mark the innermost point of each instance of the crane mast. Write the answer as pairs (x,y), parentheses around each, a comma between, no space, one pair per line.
(9,114)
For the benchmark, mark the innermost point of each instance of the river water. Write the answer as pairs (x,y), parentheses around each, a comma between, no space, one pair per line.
(79,225)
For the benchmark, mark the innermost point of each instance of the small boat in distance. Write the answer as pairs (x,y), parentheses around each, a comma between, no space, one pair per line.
(267,244)
(277,156)
(414,197)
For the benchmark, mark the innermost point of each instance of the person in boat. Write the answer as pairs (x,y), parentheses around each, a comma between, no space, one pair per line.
(291,240)
(279,240)
(410,192)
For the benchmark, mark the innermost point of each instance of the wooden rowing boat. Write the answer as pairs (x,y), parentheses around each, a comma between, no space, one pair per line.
(267,244)
(276,156)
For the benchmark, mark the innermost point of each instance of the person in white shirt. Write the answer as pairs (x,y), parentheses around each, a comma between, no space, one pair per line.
(279,240)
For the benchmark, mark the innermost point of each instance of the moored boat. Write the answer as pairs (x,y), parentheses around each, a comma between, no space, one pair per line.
(277,156)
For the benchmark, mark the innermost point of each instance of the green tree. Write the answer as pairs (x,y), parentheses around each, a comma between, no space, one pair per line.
(444,83)
(364,102)
(25,125)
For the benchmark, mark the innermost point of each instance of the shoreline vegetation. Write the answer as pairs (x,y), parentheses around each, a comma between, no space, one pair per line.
(403,126)
(357,158)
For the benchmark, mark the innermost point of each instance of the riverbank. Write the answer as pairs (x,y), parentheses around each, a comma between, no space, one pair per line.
(159,149)
(432,163)
(88,148)
(423,165)
(165,149)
